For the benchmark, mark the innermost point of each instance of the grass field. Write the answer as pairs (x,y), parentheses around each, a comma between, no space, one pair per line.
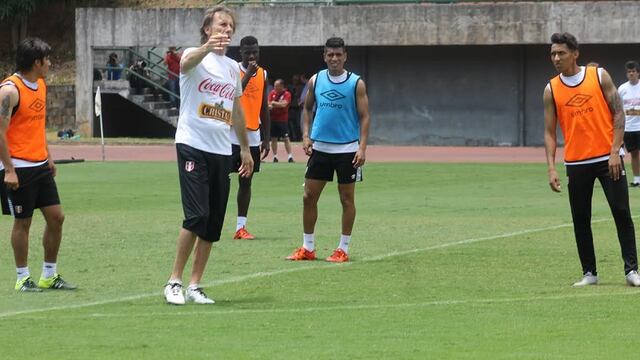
(450,261)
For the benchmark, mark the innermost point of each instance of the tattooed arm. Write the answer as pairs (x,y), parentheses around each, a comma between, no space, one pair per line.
(617,112)
(8,100)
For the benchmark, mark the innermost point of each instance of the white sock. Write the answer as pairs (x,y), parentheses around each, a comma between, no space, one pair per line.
(48,269)
(290,156)
(636,179)
(22,272)
(175,281)
(242,221)
(193,286)
(344,243)
(309,242)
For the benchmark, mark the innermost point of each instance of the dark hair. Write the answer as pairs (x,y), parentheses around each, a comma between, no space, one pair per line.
(335,42)
(113,59)
(565,38)
(632,64)
(208,19)
(29,50)
(248,41)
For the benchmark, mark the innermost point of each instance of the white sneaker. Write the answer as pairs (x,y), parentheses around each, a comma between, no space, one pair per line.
(588,279)
(198,296)
(173,293)
(633,279)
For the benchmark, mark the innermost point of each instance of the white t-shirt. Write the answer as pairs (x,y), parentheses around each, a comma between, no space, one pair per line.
(630,95)
(576,79)
(253,135)
(207,93)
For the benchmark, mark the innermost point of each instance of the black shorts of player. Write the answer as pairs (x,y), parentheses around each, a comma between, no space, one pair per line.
(279,129)
(236,161)
(204,188)
(632,140)
(37,190)
(321,166)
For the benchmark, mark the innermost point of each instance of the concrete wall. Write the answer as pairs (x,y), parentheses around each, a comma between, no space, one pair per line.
(420,91)
(61,107)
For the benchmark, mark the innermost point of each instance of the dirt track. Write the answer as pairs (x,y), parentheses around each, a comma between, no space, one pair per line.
(375,153)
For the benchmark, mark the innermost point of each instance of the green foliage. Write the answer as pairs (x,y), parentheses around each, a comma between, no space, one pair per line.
(18,10)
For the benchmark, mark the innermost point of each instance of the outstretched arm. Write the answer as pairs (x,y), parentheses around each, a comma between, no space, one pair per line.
(216,43)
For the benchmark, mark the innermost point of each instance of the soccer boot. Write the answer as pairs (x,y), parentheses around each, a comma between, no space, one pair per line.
(243,234)
(55,282)
(587,279)
(338,256)
(173,293)
(302,254)
(196,295)
(633,279)
(27,285)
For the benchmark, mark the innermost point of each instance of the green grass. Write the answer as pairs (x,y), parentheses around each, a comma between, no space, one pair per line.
(450,261)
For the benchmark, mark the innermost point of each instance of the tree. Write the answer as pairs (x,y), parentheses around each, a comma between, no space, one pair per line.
(16,13)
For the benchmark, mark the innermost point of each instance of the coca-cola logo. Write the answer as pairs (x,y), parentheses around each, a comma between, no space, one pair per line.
(223,90)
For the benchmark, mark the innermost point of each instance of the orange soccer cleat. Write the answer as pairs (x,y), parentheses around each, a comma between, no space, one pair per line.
(338,256)
(243,234)
(302,254)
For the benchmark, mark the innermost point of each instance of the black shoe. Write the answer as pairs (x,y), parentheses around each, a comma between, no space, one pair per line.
(291,160)
(275,159)
(634,184)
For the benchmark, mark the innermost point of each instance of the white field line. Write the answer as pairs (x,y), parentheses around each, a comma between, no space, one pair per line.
(217,311)
(242,278)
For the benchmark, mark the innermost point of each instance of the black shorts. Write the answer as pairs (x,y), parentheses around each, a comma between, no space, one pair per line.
(321,166)
(236,161)
(279,129)
(37,190)
(632,140)
(204,188)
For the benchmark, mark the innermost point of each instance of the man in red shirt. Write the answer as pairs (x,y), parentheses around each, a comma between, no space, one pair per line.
(172,60)
(279,101)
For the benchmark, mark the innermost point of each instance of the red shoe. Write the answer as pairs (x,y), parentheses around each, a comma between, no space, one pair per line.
(338,256)
(243,234)
(302,254)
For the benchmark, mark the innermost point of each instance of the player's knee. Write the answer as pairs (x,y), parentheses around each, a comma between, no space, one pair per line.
(21,225)
(197,224)
(621,213)
(347,199)
(58,219)
(309,198)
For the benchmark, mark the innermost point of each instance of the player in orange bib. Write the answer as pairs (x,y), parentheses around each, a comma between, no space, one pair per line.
(585,103)
(26,165)
(254,105)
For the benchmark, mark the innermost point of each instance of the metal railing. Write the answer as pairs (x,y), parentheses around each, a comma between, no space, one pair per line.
(161,72)
(160,60)
(147,80)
